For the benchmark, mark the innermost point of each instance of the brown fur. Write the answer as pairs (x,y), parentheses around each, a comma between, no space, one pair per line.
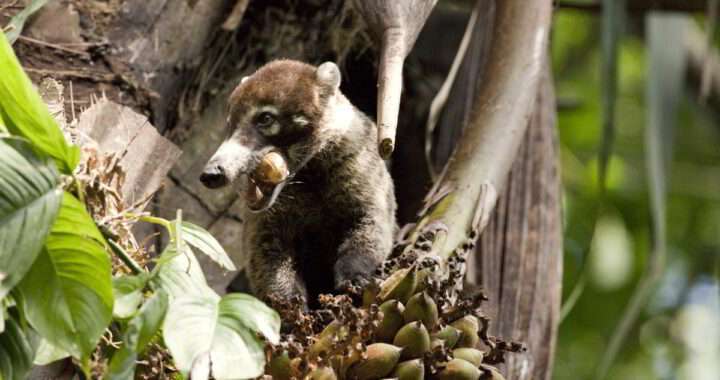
(334,222)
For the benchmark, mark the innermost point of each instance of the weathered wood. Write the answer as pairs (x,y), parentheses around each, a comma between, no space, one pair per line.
(519,256)
(518,261)
(145,156)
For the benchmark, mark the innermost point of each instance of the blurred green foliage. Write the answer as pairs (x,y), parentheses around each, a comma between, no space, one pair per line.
(678,334)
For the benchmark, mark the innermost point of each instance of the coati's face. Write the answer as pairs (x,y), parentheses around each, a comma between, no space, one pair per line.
(279,108)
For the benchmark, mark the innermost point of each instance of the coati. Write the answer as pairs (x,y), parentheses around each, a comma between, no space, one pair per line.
(332,222)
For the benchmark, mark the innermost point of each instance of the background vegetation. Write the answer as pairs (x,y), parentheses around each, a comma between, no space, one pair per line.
(678,332)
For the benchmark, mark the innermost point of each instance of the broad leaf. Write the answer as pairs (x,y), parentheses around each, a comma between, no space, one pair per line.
(201,239)
(16,352)
(68,291)
(29,201)
(139,332)
(25,114)
(213,336)
(180,274)
(128,293)
(47,353)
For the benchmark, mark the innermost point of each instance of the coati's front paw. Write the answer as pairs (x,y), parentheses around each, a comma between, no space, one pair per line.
(353,270)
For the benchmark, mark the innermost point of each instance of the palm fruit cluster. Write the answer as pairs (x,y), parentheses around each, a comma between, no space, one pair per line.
(412,321)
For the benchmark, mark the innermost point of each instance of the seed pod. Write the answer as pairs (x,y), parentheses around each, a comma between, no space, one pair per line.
(381,359)
(391,322)
(458,369)
(279,367)
(421,307)
(325,340)
(321,373)
(494,373)
(469,326)
(471,355)
(272,169)
(370,293)
(400,285)
(449,335)
(410,370)
(414,339)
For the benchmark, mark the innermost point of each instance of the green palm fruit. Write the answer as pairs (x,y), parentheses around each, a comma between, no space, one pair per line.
(421,307)
(370,293)
(325,340)
(321,373)
(414,339)
(400,285)
(494,373)
(410,370)
(392,320)
(449,335)
(458,369)
(380,361)
(279,367)
(469,326)
(471,355)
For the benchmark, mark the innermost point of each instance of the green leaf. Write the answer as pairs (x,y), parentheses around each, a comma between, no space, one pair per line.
(67,293)
(128,293)
(179,273)
(612,21)
(141,329)
(201,239)
(47,353)
(25,114)
(29,202)
(18,21)
(209,335)
(16,352)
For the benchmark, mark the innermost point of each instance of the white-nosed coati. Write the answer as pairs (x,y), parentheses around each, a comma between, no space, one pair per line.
(333,222)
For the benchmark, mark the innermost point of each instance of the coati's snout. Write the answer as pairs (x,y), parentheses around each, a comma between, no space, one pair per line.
(278,108)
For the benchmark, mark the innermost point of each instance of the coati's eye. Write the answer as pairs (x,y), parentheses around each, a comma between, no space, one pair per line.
(264,120)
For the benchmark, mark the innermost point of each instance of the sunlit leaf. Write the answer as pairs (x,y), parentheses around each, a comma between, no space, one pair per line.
(47,353)
(29,201)
(201,239)
(25,114)
(209,334)
(128,294)
(67,293)
(140,330)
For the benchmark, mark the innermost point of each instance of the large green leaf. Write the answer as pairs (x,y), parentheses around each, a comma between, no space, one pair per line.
(67,293)
(209,335)
(16,352)
(179,273)
(25,114)
(29,201)
(128,293)
(140,330)
(201,239)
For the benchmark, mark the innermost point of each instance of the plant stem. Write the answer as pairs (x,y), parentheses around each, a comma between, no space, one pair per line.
(125,258)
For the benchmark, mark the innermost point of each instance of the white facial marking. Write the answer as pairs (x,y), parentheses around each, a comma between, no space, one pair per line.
(232,157)
(300,120)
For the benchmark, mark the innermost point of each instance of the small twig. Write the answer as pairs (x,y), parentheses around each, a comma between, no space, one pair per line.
(124,257)
(54,46)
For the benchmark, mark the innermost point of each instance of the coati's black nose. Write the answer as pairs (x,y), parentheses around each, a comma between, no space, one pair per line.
(214,177)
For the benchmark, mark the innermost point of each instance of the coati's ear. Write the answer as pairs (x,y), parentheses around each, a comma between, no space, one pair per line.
(328,74)
(244,79)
